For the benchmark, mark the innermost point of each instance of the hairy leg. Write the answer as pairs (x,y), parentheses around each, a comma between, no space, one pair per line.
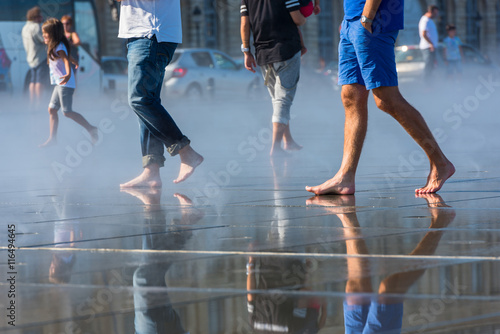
(390,100)
(355,100)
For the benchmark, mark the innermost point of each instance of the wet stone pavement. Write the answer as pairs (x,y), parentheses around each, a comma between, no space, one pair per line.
(241,247)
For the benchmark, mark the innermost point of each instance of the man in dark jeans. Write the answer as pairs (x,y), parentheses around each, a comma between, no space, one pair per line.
(151,45)
(278,47)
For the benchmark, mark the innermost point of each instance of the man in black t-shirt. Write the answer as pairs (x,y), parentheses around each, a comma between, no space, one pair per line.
(278,46)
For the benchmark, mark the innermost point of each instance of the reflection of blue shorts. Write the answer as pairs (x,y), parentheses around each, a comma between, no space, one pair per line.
(365,58)
(374,318)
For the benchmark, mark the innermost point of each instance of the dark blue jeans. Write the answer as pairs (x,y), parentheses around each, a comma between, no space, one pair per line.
(430,59)
(147,60)
(154,313)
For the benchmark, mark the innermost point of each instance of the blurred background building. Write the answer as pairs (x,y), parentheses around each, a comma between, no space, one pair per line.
(215,24)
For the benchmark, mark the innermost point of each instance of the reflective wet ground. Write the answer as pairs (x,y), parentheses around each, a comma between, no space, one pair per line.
(241,247)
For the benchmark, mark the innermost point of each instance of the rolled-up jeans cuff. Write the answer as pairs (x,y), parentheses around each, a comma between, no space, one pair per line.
(153,159)
(175,148)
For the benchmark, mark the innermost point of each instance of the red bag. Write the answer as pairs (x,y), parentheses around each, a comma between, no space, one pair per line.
(308,9)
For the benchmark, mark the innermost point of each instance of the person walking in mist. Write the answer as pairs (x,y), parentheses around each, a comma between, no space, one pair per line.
(62,78)
(36,54)
(367,62)
(429,40)
(153,29)
(278,46)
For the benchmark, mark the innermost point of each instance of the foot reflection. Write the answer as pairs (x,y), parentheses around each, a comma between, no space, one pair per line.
(383,313)
(154,313)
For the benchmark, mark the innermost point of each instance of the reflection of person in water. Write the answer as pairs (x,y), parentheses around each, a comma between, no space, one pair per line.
(66,233)
(279,312)
(383,314)
(154,313)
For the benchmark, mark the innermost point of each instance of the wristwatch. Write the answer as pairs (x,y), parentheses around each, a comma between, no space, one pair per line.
(243,49)
(364,19)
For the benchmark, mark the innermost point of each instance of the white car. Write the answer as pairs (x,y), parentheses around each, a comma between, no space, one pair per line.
(196,73)
(114,75)
(410,62)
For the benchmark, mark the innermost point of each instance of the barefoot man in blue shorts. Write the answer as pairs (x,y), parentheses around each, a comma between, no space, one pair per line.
(367,62)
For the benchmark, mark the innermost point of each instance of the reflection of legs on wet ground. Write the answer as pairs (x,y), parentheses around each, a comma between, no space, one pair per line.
(147,61)
(153,309)
(281,79)
(386,312)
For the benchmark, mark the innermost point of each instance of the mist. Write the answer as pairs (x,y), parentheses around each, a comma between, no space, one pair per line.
(239,201)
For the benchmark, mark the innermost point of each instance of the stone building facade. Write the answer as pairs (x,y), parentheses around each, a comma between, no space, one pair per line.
(216,24)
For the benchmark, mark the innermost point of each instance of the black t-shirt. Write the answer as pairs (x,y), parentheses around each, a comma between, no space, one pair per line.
(276,36)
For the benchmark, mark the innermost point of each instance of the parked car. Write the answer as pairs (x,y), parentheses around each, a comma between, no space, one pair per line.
(114,75)
(196,73)
(410,62)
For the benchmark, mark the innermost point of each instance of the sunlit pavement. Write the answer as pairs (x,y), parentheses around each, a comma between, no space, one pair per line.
(93,259)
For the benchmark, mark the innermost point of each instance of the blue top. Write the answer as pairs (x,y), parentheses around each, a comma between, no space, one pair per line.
(452,48)
(390,14)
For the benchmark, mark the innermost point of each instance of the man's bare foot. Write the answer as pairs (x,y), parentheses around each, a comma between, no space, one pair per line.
(335,186)
(150,178)
(437,177)
(147,196)
(94,135)
(48,142)
(292,146)
(190,159)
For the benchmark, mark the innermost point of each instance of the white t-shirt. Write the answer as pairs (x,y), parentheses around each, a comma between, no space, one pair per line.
(57,69)
(139,18)
(36,52)
(426,24)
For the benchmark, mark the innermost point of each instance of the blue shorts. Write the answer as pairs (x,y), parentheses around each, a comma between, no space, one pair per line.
(374,318)
(367,59)
(40,74)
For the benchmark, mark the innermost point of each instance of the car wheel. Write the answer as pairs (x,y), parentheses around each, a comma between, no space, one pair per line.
(194,92)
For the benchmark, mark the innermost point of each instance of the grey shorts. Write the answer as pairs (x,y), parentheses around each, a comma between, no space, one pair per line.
(281,79)
(62,97)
